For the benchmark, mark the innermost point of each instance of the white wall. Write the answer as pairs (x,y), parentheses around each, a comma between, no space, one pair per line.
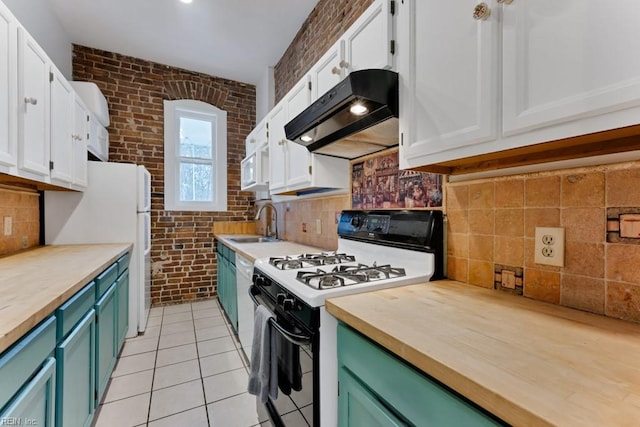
(38,18)
(265,94)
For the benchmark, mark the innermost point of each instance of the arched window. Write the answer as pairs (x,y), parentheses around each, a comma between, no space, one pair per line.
(195,156)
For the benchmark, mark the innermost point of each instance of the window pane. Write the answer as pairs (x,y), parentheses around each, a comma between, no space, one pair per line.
(195,138)
(196,182)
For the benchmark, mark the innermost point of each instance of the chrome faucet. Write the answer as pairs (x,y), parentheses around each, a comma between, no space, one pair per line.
(275,215)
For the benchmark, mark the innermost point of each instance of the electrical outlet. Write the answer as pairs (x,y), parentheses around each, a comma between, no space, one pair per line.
(8,225)
(549,246)
(304,227)
(318,226)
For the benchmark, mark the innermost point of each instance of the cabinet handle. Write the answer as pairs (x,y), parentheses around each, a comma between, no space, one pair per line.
(32,101)
(481,12)
(335,70)
(504,1)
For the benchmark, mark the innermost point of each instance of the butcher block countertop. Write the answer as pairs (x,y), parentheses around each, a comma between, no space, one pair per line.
(254,251)
(36,282)
(528,362)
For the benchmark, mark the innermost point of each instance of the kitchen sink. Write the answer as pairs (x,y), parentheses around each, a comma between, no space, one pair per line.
(254,239)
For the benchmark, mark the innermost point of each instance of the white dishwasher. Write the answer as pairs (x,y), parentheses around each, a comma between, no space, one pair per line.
(244,272)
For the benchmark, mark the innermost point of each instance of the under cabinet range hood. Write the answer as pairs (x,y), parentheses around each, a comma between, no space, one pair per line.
(358,116)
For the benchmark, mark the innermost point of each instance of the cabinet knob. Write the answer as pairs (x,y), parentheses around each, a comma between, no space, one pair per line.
(343,64)
(481,12)
(335,70)
(252,141)
(504,1)
(282,142)
(32,101)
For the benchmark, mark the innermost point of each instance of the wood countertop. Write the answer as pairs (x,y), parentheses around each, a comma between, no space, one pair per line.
(528,362)
(36,282)
(254,251)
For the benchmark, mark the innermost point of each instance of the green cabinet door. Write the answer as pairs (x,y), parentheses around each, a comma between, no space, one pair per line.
(222,272)
(359,407)
(35,404)
(122,294)
(75,375)
(397,388)
(106,340)
(232,296)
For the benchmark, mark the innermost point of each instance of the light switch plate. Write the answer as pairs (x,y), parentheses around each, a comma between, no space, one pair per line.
(549,246)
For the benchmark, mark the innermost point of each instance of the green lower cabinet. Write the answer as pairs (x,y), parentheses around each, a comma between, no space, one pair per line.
(75,375)
(227,286)
(35,404)
(232,295)
(376,388)
(106,339)
(122,294)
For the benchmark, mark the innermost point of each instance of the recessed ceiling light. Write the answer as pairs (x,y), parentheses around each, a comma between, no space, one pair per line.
(306,138)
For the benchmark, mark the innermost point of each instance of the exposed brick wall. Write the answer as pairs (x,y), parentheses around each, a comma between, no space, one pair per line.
(183,251)
(325,24)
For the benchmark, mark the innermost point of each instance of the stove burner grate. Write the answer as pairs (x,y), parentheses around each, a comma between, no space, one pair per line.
(344,275)
(310,260)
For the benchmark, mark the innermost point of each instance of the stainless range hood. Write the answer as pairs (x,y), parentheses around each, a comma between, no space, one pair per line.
(358,116)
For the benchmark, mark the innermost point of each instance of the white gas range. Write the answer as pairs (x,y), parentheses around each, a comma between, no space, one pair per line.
(376,250)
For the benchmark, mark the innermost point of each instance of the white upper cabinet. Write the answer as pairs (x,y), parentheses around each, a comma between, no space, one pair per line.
(448,69)
(80,137)
(369,41)
(298,157)
(567,60)
(277,147)
(328,71)
(479,78)
(8,68)
(33,111)
(257,137)
(61,129)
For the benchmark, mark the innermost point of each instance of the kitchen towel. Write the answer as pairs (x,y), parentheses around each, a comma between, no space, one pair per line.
(263,376)
(289,370)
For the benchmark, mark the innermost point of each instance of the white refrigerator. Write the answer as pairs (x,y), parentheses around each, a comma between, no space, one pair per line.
(115,208)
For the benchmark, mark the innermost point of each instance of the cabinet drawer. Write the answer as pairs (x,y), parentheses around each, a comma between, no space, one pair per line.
(69,313)
(106,279)
(20,362)
(123,263)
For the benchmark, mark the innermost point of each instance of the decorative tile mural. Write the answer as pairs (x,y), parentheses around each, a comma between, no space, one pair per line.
(378,183)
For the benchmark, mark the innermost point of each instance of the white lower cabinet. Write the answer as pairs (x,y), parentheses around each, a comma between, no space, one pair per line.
(517,75)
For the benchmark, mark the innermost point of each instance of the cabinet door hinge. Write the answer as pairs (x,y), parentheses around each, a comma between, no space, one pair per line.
(392,47)
(95,394)
(50,165)
(50,76)
(402,139)
(309,85)
(338,388)
(87,136)
(392,7)
(88,119)
(309,169)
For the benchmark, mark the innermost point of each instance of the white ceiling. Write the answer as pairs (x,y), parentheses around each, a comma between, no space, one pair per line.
(234,39)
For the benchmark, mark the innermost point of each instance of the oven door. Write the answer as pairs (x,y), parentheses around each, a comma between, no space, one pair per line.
(295,408)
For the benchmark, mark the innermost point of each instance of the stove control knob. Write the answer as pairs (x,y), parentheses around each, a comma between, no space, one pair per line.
(356,222)
(281,297)
(260,281)
(288,304)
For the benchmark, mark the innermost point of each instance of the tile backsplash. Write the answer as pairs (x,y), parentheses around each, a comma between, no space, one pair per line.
(22,206)
(491,222)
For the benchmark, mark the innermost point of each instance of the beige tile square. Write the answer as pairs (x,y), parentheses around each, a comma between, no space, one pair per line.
(154,321)
(240,410)
(175,340)
(623,301)
(542,192)
(176,399)
(540,217)
(481,195)
(139,345)
(178,373)
(134,363)
(211,333)
(457,196)
(509,250)
(509,222)
(481,248)
(124,413)
(176,317)
(481,221)
(218,363)
(129,385)
(209,322)
(196,417)
(622,262)
(169,356)
(583,293)
(156,311)
(542,285)
(151,332)
(457,268)
(509,193)
(208,312)
(620,188)
(174,328)
(204,305)
(215,346)
(177,308)
(481,273)
(584,259)
(583,189)
(225,385)
(584,224)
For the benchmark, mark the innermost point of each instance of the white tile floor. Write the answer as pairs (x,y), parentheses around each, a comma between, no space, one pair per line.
(186,370)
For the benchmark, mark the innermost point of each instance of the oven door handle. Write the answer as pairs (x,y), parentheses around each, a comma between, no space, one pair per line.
(289,336)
